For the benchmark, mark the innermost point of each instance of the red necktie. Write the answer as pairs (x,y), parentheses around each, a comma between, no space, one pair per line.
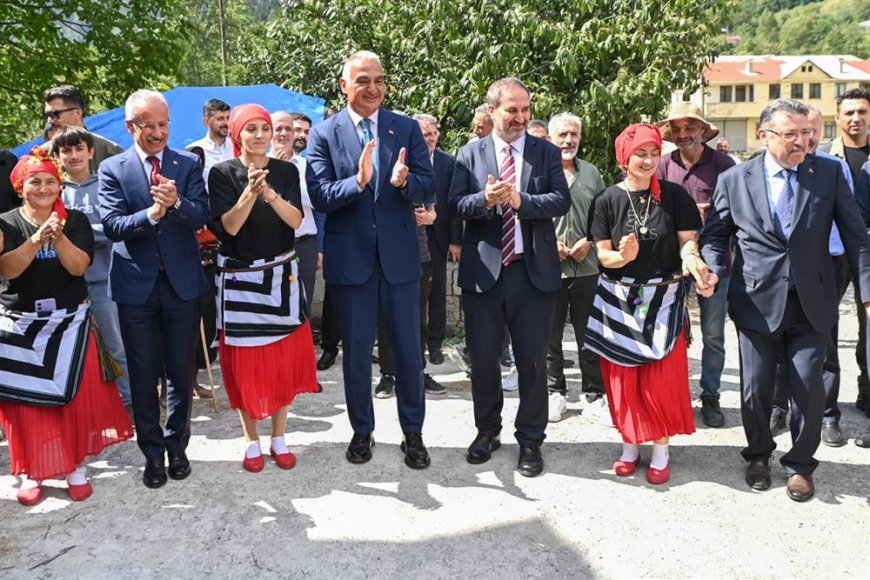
(508,173)
(155,169)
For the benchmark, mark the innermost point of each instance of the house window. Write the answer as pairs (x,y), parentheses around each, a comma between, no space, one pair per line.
(830,129)
(752,93)
(725,94)
(807,68)
(740,93)
(797,91)
(773,91)
(841,88)
(815,90)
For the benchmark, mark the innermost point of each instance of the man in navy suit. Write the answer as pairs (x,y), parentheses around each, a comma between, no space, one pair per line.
(444,238)
(152,201)
(367,168)
(508,187)
(783,293)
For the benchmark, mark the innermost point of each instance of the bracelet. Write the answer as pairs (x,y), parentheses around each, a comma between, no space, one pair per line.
(271,200)
(684,254)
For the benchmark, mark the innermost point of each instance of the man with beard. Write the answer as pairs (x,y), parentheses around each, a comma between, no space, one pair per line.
(508,187)
(481,125)
(853,146)
(301,129)
(579,267)
(697,167)
(215,145)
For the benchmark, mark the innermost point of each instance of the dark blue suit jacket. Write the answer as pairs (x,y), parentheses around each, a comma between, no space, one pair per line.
(544,194)
(361,226)
(140,248)
(447,228)
(759,280)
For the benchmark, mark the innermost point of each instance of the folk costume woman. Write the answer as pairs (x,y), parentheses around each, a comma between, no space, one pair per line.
(266,346)
(55,407)
(646,232)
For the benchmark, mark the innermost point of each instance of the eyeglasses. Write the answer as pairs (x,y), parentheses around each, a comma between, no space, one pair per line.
(151,127)
(791,136)
(55,114)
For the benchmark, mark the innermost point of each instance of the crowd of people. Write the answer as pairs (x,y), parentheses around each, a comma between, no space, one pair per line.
(120,269)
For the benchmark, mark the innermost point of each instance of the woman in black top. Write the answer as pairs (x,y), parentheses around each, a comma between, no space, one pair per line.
(646,235)
(266,346)
(55,406)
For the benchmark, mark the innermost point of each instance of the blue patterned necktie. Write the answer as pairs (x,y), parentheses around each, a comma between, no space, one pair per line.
(368,137)
(785,203)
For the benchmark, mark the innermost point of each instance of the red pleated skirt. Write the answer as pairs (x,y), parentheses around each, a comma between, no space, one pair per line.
(651,401)
(262,379)
(50,442)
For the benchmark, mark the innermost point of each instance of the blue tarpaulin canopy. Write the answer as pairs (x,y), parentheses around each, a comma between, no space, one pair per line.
(185,112)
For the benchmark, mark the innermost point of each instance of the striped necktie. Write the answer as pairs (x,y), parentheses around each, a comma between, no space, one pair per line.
(367,137)
(508,173)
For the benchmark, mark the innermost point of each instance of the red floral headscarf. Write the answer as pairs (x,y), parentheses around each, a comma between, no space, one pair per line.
(38,162)
(240,116)
(630,140)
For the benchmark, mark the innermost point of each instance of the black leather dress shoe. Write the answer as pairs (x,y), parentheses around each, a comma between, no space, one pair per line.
(800,487)
(832,435)
(758,474)
(436,357)
(326,360)
(531,461)
(416,456)
(360,448)
(179,466)
(482,447)
(155,472)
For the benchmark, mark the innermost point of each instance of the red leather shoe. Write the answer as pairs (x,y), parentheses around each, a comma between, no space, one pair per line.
(80,492)
(254,464)
(625,468)
(284,460)
(657,476)
(30,496)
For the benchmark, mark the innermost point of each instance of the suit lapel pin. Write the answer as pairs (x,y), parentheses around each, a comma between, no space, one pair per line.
(810,170)
(175,161)
(390,131)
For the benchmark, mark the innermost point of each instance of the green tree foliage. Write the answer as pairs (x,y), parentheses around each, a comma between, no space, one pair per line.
(107,48)
(802,27)
(610,61)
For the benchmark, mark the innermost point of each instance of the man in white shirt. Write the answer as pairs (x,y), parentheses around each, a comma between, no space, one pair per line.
(215,146)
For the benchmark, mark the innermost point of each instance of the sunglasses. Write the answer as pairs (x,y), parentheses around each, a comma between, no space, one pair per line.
(57,113)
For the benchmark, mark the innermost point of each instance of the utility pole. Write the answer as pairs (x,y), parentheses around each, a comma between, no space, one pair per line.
(222,17)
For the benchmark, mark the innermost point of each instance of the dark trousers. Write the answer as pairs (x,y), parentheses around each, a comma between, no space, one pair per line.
(357,308)
(803,350)
(161,333)
(306,250)
(575,297)
(527,311)
(861,347)
(386,361)
(208,309)
(437,298)
(330,330)
(831,372)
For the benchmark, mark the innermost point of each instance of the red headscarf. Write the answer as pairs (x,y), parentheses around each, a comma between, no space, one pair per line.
(633,137)
(240,116)
(38,162)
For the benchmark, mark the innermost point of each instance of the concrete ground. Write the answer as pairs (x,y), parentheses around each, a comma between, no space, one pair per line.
(327,518)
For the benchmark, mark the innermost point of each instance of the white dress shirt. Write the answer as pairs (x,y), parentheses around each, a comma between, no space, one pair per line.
(214,154)
(146,167)
(517,148)
(356,118)
(308,226)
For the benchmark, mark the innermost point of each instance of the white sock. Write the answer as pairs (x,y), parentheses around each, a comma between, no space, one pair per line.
(253,449)
(77,477)
(659,458)
(279,445)
(630,452)
(27,483)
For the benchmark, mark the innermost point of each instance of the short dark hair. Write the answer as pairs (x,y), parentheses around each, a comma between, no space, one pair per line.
(301,117)
(213,106)
(854,94)
(70,136)
(70,95)
(537,123)
(493,93)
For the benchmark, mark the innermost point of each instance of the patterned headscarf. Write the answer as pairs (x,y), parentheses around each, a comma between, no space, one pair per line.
(240,116)
(38,162)
(633,137)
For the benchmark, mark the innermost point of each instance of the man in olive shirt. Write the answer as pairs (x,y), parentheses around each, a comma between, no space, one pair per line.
(65,105)
(579,267)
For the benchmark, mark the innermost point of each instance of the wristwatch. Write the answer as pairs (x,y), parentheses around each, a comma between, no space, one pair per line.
(177,203)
